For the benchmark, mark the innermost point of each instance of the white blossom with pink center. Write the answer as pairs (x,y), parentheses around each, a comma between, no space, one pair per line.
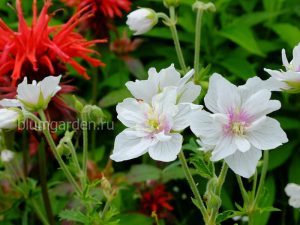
(152,127)
(238,128)
(290,78)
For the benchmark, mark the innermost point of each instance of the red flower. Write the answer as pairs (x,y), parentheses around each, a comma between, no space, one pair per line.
(156,200)
(40,50)
(103,12)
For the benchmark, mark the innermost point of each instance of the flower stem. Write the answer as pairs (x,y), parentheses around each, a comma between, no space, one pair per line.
(198,41)
(43,180)
(85,147)
(174,32)
(262,177)
(38,211)
(242,188)
(192,184)
(57,155)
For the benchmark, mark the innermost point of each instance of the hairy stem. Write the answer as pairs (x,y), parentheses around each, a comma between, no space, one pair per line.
(61,163)
(192,184)
(85,147)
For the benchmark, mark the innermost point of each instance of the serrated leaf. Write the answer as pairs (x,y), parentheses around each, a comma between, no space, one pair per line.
(74,215)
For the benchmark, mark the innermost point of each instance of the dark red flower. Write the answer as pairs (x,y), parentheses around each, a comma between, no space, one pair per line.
(156,200)
(103,13)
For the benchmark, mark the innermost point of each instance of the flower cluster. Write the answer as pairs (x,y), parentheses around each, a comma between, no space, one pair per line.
(236,130)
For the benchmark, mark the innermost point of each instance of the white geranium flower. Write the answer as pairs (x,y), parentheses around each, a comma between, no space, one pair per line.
(141,20)
(238,128)
(186,90)
(293,191)
(7,155)
(37,96)
(9,118)
(151,127)
(290,78)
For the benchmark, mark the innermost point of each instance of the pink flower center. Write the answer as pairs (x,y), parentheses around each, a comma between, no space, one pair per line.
(237,122)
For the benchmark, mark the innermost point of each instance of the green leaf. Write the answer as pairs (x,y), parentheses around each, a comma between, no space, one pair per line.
(114,97)
(134,219)
(74,215)
(203,167)
(172,172)
(243,36)
(287,32)
(239,67)
(281,155)
(143,172)
(272,5)
(227,215)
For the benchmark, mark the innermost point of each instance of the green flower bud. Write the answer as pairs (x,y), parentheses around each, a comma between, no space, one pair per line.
(106,187)
(63,147)
(92,113)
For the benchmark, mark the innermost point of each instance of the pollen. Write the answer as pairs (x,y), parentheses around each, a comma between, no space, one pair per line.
(238,128)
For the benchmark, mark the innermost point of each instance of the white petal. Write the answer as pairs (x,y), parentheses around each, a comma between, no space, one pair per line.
(8,119)
(132,112)
(224,148)
(242,143)
(50,86)
(202,125)
(259,104)
(129,147)
(189,92)
(266,134)
(292,190)
(28,92)
(182,118)
(168,77)
(166,151)
(164,103)
(143,89)
(244,163)
(296,58)
(10,103)
(284,59)
(216,100)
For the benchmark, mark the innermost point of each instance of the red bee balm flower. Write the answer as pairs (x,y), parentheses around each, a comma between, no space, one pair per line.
(40,50)
(156,200)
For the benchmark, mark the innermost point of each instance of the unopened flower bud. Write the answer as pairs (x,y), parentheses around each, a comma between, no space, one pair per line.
(171,3)
(92,113)
(63,147)
(204,6)
(142,20)
(10,118)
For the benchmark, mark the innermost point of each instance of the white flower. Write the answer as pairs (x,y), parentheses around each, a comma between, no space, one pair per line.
(290,78)
(293,191)
(37,96)
(151,127)
(9,118)
(141,20)
(238,128)
(186,90)
(7,155)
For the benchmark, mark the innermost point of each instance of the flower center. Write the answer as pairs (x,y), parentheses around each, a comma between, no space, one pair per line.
(237,128)
(154,124)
